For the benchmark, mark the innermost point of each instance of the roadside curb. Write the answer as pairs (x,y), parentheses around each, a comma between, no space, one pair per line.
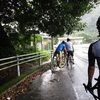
(23,85)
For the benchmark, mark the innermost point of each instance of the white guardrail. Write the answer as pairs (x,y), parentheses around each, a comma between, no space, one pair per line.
(14,61)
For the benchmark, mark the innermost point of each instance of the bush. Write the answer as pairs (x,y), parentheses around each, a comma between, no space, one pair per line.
(21,51)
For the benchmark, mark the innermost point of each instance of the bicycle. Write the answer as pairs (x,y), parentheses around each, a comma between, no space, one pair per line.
(56,62)
(63,59)
(70,61)
(92,90)
(53,64)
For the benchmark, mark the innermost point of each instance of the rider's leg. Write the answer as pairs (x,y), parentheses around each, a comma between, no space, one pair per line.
(65,58)
(98,62)
(72,56)
(60,59)
(68,58)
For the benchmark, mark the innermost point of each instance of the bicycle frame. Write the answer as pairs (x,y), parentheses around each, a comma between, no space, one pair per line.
(91,90)
(56,60)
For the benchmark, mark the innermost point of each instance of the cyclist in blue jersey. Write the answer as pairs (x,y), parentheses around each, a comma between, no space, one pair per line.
(94,54)
(61,47)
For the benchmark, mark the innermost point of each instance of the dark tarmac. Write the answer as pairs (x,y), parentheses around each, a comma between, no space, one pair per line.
(51,86)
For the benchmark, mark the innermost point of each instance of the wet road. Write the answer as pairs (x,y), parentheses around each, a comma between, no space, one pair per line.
(65,84)
(79,73)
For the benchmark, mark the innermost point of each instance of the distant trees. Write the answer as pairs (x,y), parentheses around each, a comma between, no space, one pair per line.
(87,37)
(54,17)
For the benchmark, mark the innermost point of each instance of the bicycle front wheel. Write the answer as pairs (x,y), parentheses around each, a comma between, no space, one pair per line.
(54,64)
(98,88)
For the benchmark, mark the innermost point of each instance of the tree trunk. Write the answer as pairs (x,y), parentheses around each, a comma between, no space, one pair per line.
(34,43)
(52,43)
(6,48)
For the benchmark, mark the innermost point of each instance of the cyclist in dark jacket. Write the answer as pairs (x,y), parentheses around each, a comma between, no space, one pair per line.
(94,54)
(70,49)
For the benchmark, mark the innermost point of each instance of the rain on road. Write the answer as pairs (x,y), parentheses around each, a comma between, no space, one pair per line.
(79,73)
(65,84)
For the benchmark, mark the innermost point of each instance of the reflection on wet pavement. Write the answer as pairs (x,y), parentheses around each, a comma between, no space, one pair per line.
(51,86)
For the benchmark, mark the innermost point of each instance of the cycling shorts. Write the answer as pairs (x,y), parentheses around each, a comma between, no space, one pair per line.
(59,53)
(70,53)
(92,58)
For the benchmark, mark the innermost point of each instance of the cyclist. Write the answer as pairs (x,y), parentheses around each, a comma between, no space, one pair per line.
(94,54)
(61,47)
(70,49)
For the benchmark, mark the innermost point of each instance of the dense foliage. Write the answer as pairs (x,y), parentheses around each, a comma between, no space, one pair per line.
(54,17)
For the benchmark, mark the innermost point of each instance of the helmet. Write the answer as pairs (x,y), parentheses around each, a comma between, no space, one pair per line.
(98,25)
(63,42)
(68,39)
(98,22)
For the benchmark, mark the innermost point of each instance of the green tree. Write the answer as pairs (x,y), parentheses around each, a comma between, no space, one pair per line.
(59,16)
(54,17)
(35,38)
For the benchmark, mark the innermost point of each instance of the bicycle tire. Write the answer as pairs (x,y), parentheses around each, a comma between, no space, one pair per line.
(67,61)
(63,60)
(99,88)
(70,61)
(55,64)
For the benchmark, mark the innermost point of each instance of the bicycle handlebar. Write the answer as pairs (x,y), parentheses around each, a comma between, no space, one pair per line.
(90,90)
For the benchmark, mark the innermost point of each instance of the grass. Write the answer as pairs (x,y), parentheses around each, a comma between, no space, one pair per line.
(47,54)
(6,86)
(16,80)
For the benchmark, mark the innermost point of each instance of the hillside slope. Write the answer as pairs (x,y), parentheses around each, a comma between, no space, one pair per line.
(91,19)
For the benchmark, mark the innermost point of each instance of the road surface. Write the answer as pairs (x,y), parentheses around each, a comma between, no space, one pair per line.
(65,84)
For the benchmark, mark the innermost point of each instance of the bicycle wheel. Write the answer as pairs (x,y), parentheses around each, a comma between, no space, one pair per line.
(54,64)
(70,61)
(67,62)
(98,90)
(63,60)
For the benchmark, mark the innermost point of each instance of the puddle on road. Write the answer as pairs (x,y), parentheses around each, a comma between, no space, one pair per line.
(54,80)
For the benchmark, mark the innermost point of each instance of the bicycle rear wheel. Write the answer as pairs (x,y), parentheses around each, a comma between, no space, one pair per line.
(70,62)
(63,61)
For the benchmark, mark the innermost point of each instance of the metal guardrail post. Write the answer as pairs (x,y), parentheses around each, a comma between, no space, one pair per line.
(51,53)
(39,59)
(18,67)
(51,57)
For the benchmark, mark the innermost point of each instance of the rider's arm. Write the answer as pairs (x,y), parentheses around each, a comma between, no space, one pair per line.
(65,50)
(91,65)
(91,70)
(73,48)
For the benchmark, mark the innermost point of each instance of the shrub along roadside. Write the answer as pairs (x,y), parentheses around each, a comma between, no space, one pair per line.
(11,73)
(22,83)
